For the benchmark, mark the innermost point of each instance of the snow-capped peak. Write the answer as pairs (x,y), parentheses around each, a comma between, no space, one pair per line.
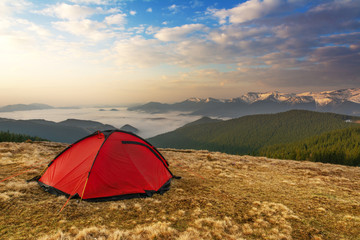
(252,97)
(204,100)
(194,99)
(326,97)
(320,98)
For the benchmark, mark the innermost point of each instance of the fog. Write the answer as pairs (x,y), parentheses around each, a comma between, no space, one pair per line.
(148,124)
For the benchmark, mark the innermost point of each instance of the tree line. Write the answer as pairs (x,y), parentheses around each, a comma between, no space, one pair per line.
(14,137)
(338,147)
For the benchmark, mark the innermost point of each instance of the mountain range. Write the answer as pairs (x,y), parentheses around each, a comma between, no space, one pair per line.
(24,107)
(67,131)
(345,101)
(29,107)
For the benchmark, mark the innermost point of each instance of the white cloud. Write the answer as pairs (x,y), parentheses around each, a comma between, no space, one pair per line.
(176,8)
(98,2)
(86,28)
(34,28)
(178,33)
(138,30)
(173,7)
(140,52)
(247,11)
(66,11)
(29,37)
(221,14)
(132,12)
(149,10)
(151,30)
(232,34)
(117,19)
(8,7)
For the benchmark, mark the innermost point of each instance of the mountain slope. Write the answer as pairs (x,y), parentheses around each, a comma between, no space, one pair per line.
(220,196)
(246,135)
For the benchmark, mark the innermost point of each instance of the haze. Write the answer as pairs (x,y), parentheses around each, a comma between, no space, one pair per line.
(80,52)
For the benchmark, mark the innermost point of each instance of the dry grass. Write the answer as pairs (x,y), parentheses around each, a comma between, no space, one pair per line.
(219,197)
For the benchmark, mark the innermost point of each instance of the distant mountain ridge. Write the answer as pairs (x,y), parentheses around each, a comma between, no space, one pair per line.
(129,128)
(345,101)
(29,107)
(67,131)
(25,107)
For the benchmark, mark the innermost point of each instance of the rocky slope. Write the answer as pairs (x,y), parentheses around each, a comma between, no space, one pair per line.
(220,196)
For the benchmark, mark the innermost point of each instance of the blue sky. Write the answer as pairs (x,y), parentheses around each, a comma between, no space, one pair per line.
(78,52)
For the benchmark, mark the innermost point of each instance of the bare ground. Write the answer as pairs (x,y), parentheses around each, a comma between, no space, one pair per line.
(220,196)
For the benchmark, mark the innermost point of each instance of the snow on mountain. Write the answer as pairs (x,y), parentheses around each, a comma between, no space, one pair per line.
(320,98)
(291,98)
(194,99)
(335,96)
(204,100)
(355,95)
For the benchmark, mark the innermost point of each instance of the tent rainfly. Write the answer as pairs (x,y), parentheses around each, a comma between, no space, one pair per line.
(108,165)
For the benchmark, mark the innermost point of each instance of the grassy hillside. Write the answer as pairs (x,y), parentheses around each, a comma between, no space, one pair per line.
(220,196)
(13,137)
(246,135)
(339,146)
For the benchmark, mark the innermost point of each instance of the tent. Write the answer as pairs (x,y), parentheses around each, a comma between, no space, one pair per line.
(107,165)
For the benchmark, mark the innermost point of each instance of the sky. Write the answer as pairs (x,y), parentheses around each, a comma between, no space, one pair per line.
(118,52)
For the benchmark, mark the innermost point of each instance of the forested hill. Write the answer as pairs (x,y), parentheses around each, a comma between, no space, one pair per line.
(247,135)
(338,146)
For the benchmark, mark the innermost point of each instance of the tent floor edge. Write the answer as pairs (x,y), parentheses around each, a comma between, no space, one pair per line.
(34,179)
(164,188)
(52,190)
(148,193)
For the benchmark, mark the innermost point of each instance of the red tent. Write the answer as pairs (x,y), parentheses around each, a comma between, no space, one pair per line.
(108,165)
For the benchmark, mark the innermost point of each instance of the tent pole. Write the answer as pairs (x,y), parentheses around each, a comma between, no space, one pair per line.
(72,195)
(84,188)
